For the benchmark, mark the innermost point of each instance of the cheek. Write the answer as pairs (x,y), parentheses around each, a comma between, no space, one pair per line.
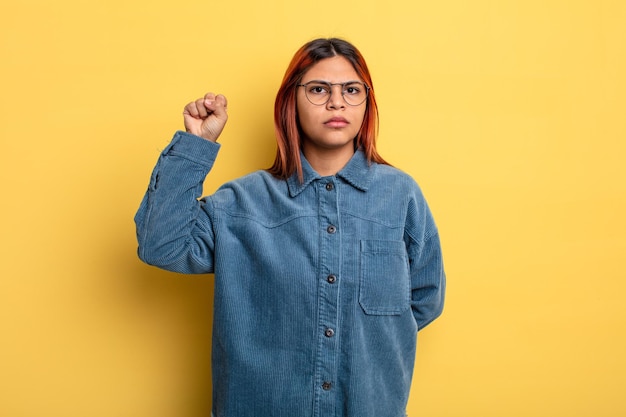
(305,116)
(361,117)
(306,126)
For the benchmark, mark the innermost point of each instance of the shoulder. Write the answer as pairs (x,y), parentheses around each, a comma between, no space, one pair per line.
(419,222)
(256,194)
(255,184)
(253,181)
(389,176)
(258,197)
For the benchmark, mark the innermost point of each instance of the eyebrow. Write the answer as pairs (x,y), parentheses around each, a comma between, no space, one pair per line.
(328,82)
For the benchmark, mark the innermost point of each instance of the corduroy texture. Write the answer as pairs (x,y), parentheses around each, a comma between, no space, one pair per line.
(320,285)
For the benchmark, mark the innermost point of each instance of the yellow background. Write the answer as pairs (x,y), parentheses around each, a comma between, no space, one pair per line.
(510,114)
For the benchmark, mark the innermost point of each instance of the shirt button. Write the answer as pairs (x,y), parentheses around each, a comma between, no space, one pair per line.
(329,332)
(331,278)
(329,186)
(326,386)
(331,229)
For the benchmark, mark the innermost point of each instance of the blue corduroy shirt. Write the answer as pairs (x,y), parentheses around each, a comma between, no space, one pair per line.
(320,286)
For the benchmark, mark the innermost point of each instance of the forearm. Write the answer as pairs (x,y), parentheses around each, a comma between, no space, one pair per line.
(172,228)
(429,282)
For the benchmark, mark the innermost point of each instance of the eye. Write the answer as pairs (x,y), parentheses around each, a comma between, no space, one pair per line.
(352,89)
(318,89)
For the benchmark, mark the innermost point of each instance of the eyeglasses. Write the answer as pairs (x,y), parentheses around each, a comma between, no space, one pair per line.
(318,93)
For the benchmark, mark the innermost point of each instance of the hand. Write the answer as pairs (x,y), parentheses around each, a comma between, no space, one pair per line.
(206,116)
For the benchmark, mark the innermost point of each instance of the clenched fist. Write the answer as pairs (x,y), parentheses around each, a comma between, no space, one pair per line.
(206,116)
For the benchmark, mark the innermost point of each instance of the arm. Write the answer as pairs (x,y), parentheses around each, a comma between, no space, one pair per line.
(174,229)
(428,279)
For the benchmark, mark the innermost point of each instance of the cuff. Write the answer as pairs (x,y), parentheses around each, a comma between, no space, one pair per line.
(193,147)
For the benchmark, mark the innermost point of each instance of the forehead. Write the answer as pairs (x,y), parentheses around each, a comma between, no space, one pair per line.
(336,70)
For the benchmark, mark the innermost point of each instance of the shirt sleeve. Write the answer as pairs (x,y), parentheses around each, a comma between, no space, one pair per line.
(174,229)
(428,279)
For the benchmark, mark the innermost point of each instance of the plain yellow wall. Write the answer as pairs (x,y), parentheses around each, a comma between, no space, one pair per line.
(510,114)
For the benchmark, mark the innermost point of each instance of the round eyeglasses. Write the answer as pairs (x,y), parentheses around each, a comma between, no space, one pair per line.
(318,93)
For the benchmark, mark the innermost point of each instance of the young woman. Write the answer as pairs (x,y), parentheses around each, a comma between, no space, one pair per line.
(326,265)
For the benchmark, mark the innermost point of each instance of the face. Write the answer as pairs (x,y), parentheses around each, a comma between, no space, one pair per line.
(330,127)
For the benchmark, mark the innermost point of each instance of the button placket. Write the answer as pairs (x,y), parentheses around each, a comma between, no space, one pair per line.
(328,301)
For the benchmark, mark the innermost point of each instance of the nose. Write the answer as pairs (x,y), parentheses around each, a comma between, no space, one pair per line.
(335,101)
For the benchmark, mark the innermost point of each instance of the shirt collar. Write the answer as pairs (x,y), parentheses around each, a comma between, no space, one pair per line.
(357,172)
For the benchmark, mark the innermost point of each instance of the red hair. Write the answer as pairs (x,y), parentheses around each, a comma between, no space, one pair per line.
(286,125)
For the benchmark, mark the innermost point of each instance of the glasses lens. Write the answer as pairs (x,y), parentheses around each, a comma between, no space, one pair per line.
(317,93)
(354,93)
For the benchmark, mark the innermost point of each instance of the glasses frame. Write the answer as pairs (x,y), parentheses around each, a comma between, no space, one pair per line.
(330,88)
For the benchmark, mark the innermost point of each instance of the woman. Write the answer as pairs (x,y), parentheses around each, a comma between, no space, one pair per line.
(326,264)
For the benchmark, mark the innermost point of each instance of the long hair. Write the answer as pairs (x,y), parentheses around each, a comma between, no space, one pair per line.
(286,125)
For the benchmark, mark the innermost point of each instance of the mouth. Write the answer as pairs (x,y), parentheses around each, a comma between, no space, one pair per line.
(336,122)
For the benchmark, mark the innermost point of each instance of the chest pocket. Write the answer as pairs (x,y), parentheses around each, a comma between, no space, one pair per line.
(385,279)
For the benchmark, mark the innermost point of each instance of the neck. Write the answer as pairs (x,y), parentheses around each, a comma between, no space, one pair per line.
(327,162)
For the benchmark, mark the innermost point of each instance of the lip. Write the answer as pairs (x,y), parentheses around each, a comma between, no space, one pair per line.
(336,122)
